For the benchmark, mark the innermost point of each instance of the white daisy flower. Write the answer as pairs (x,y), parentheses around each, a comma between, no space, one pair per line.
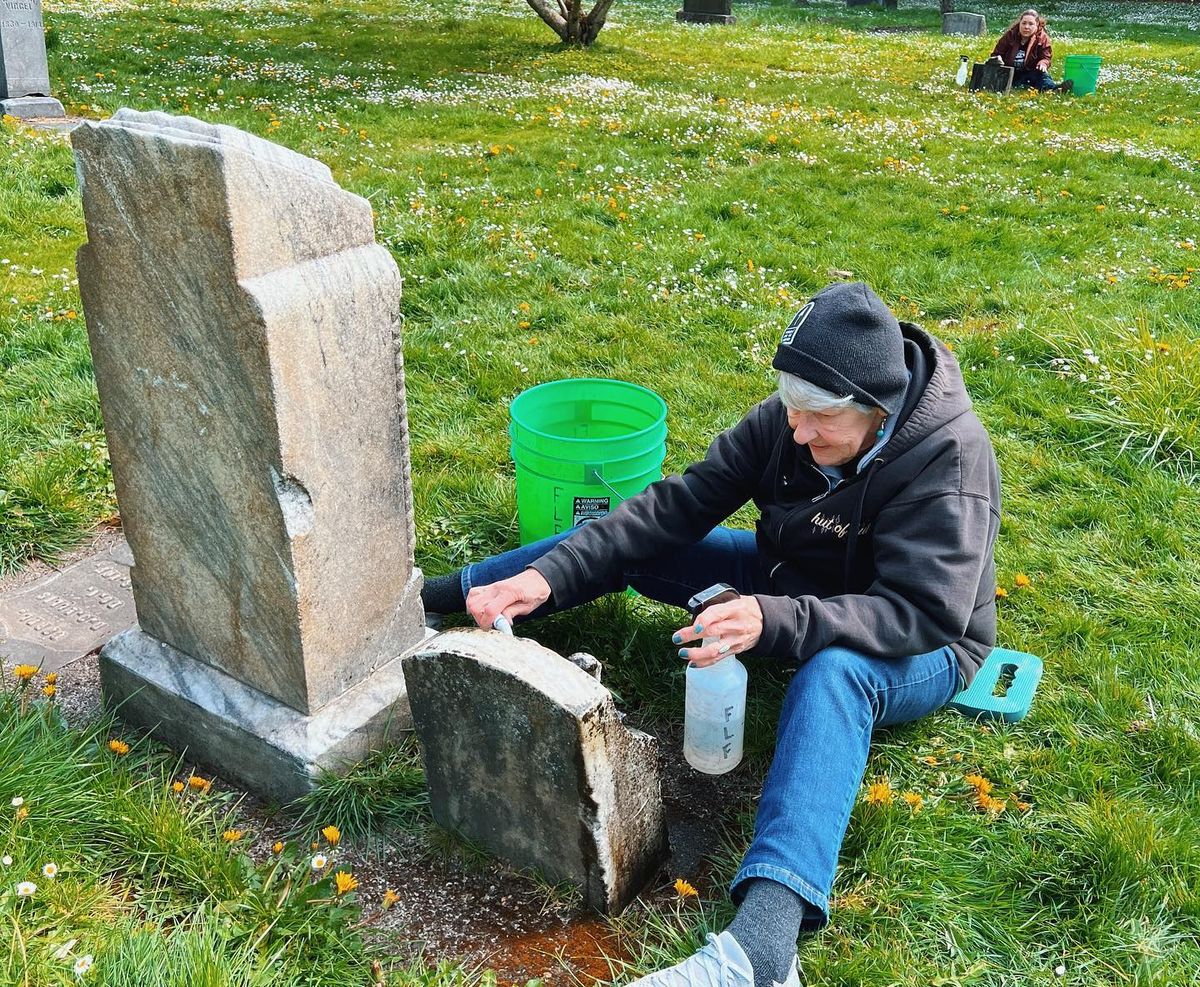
(17,802)
(50,870)
(26,889)
(83,964)
(6,860)
(319,861)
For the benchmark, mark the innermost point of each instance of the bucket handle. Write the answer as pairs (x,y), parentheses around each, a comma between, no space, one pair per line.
(595,471)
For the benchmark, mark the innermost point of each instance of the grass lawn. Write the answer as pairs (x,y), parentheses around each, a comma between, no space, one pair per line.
(654,209)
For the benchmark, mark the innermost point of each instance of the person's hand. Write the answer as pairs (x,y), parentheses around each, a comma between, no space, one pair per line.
(512,597)
(737,626)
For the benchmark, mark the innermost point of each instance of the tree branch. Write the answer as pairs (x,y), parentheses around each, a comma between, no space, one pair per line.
(550,16)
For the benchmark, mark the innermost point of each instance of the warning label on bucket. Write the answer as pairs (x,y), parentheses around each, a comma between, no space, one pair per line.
(589,508)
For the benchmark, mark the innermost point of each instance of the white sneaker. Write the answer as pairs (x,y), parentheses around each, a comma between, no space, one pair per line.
(721,962)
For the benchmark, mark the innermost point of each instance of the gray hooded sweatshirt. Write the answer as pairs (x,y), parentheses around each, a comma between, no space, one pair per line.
(893,560)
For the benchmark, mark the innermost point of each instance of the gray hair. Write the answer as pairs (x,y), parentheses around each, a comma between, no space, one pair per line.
(802,395)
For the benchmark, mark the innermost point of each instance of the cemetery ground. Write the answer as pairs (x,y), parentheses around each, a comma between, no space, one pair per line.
(654,209)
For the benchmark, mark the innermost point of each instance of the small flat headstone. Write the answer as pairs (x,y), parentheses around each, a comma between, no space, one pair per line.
(24,72)
(70,614)
(706,12)
(991,76)
(962,23)
(525,754)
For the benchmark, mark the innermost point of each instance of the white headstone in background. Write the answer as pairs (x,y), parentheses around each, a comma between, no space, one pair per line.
(24,72)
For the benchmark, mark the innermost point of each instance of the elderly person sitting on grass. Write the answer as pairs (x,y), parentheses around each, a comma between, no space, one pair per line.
(1026,47)
(871,567)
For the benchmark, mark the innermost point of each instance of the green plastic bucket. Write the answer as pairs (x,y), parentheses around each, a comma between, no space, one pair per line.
(1084,71)
(580,447)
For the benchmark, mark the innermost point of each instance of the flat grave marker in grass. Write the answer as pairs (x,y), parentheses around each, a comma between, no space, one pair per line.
(244,329)
(24,71)
(69,614)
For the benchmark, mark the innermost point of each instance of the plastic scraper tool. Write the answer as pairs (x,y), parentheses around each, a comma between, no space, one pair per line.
(980,700)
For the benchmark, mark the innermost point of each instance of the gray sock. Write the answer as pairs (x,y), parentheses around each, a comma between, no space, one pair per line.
(766,927)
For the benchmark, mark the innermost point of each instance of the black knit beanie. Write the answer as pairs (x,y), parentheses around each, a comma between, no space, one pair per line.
(847,341)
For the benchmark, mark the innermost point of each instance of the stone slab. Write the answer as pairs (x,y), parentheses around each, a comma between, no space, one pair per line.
(70,614)
(33,108)
(244,327)
(525,754)
(243,734)
(991,76)
(964,23)
(687,16)
(23,67)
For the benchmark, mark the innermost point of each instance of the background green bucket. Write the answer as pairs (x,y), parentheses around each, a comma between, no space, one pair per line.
(1084,71)
(580,447)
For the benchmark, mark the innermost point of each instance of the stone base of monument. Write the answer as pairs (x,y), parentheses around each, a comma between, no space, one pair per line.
(32,107)
(243,734)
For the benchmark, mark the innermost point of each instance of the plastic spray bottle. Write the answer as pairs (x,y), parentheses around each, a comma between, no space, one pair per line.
(714,718)
(961,78)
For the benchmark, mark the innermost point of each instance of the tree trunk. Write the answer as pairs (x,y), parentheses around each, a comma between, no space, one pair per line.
(569,21)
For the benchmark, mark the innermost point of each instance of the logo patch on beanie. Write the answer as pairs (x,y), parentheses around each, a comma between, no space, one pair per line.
(789,334)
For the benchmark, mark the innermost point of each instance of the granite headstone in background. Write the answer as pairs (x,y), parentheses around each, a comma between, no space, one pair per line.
(24,72)
(706,12)
(244,329)
(963,23)
(526,755)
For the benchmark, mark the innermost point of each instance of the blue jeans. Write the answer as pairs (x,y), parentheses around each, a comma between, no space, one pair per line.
(834,702)
(1033,79)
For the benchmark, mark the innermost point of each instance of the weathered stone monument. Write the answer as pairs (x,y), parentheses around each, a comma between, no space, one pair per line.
(964,23)
(526,754)
(244,328)
(706,12)
(24,71)
(991,76)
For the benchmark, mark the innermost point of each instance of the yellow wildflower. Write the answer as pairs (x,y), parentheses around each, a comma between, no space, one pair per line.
(979,783)
(118,747)
(524,306)
(1021,580)
(989,804)
(684,889)
(23,673)
(332,834)
(930,759)
(22,813)
(52,678)
(1001,592)
(344,882)
(914,801)
(49,690)
(199,784)
(177,787)
(389,898)
(880,793)
(277,847)
(232,835)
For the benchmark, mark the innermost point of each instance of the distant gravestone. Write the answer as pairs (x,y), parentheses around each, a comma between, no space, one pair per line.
(69,614)
(962,23)
(991,76)
(706,12)
(526,754)
(24,71)
(244,327)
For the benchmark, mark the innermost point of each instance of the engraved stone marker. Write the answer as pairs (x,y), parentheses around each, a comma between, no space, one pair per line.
(991,76)
(706,12)
(69,614)
(963,23)
(24,72)
(526,755)
(244,329)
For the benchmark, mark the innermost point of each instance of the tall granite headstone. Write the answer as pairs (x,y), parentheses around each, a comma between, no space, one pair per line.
(24,72)
(526,755)
(964,23)
(244,328)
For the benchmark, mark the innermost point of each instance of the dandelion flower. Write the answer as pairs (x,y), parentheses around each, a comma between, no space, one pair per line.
(52,678)
(989,804)
(26,889)
(199,784)
(118,747)
(1001,592)
(319,861)
(979,783)
(23,673)
(930,759)
(332,834)
(389,898)
(17,801)
(277,847)
(685,889)
(22,813)
(233,835)
(1021,580)
(83,964)
(344,882)
(880,793)
(914,801)
(49,690)
(50,870)
(177,787)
